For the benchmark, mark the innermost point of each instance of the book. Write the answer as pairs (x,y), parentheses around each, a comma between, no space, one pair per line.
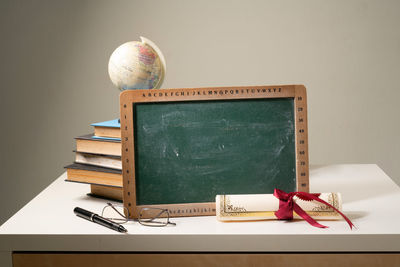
(88,174)
(110,128)
(106,146)
(107,161)
(106,138)
(108,192)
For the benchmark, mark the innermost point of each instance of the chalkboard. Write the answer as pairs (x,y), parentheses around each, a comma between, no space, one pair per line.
(182,147)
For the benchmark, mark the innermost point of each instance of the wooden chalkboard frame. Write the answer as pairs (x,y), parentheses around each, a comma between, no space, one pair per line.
(129,97)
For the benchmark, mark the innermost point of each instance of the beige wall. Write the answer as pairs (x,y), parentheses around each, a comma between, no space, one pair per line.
(54,80)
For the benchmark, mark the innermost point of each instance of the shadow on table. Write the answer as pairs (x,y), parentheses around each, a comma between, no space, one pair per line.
(353,215)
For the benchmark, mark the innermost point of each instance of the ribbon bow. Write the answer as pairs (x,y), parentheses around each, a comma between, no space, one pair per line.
(287,205)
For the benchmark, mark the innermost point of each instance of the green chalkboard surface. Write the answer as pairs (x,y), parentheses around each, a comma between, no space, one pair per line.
(191,151)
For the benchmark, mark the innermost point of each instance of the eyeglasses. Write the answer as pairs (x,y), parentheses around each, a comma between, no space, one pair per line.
(154,217)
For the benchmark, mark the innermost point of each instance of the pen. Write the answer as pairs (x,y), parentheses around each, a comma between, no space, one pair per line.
(93,217)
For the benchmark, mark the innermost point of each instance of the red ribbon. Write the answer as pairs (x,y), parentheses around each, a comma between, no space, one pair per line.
(287,205)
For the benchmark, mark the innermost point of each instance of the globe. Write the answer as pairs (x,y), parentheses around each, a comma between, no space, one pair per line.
(137,65)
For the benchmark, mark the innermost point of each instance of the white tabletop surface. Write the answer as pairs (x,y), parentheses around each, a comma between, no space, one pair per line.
(370,199)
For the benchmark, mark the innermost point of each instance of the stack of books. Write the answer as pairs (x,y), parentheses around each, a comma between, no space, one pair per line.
(98,160)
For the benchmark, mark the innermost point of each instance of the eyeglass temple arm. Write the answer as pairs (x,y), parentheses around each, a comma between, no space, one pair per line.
(112,206)
(155,217)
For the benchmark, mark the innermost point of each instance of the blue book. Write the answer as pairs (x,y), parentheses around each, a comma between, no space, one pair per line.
(107,129)
(106,138)
(112,124)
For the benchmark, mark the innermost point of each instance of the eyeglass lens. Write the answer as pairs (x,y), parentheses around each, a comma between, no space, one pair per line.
(154,217)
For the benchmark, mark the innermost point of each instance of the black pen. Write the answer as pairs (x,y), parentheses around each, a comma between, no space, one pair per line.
(93,217)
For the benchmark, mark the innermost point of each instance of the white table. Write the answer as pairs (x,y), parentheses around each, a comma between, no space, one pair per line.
(370,199)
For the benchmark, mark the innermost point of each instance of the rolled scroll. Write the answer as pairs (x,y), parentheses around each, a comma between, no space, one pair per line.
(264,206)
